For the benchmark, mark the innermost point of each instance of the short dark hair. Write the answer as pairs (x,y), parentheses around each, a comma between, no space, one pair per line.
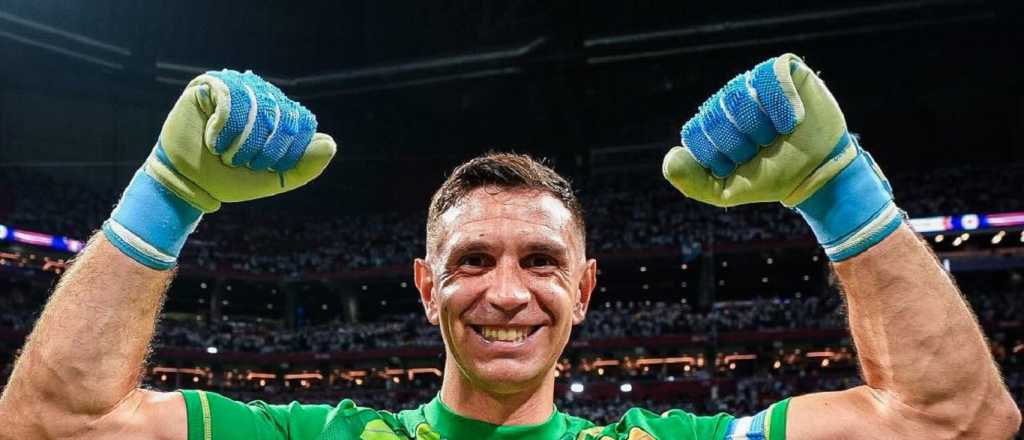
(506,171)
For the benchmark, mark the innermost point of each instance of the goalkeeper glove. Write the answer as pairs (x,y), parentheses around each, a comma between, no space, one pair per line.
(230,137)
(775,133)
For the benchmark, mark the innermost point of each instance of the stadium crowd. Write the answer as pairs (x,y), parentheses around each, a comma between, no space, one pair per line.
(620,319)
(625,212)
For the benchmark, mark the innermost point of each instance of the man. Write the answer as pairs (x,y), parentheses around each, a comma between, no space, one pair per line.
(505,276)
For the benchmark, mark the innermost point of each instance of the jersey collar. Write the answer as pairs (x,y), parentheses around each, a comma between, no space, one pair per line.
(453,426)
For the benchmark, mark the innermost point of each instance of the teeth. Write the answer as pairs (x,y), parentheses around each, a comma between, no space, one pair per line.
(505,334)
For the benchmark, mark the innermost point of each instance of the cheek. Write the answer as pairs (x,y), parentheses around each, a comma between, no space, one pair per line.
(556,299)
(455,297)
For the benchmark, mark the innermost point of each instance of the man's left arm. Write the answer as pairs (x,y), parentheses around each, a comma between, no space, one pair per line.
(776,133)
(927,368)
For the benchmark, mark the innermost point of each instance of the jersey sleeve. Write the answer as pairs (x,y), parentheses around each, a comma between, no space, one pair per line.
(637,423)
(769,424)
(215,417)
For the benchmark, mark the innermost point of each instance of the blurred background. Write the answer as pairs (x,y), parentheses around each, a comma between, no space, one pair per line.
(698,308)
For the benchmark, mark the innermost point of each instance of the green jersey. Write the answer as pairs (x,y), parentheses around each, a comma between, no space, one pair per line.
(215,417)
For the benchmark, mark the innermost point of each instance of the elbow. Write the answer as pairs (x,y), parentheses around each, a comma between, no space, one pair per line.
(1003,419)
(1009,417)
(989,416)
(999,419)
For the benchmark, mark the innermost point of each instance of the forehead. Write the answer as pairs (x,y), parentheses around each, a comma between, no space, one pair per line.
(521,211)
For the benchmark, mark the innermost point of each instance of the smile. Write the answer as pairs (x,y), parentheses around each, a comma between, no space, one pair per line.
(508,334)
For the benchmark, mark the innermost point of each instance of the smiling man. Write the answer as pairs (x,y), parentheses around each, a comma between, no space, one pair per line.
(506,276)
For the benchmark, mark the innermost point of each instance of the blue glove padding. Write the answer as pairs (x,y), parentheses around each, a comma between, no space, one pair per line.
(231,137)
(854,210)
(775,133)
(150,223)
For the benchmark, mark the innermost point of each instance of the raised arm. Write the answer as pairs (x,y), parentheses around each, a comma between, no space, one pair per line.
(78,374)
(775,133)
(230,137)
(928,370)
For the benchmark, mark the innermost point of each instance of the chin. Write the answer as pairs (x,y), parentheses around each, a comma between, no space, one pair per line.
(506,376)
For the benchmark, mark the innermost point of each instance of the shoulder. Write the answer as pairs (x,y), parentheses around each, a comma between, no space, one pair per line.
(641,424)
(213,415)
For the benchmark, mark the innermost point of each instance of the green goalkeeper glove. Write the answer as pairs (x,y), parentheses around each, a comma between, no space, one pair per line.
(231,137)
(776,134)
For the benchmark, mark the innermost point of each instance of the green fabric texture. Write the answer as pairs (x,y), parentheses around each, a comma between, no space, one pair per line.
(232,420)
(204,179)
(785,170)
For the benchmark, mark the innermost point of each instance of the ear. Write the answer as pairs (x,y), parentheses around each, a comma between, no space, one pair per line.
(423,277)
(587,284)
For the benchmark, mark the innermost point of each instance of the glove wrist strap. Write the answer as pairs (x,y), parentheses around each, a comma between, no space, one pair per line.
(853,211)
(150,223)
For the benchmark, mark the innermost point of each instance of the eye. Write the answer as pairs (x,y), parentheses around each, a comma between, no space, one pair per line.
(539,260)
(474,260)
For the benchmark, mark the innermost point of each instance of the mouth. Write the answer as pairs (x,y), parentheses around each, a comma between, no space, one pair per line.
(510,334)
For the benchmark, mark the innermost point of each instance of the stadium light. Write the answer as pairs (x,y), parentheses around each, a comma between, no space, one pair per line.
(643,268)
(576,387)
(957,241)
(211,350)
(998,237)
(626,387)
(939,238)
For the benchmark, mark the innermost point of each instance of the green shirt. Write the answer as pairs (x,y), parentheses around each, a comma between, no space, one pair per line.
(215,417)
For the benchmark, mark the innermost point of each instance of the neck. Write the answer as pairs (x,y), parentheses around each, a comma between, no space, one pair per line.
(532,405)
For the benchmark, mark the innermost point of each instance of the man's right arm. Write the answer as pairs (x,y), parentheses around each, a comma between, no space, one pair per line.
(79,372)
(231,137)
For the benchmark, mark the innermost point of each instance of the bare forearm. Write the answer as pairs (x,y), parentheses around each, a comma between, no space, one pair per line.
(85,354)
(918,341)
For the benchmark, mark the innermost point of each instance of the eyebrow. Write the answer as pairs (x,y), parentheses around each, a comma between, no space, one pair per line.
(470,246)
(552,248)
(547,247)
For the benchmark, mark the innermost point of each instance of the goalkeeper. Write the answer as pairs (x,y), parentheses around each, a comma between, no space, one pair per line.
(505,276)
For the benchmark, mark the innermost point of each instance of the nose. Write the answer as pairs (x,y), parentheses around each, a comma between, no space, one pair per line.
(508,293)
